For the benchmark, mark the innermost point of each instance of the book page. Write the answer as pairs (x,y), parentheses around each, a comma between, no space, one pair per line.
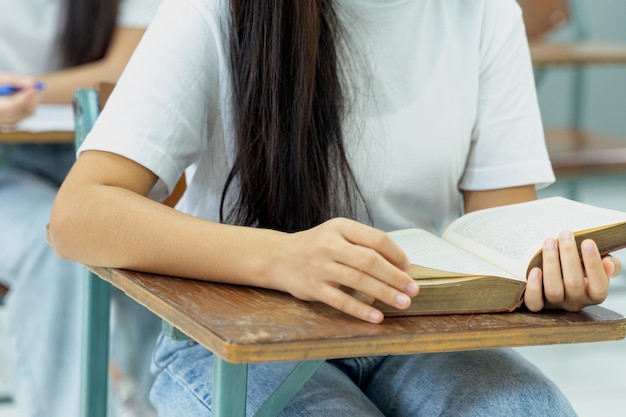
(508,236)
(425,249)
(48,118)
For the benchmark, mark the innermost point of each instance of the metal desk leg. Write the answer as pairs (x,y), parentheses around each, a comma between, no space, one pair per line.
(95,349)
(289,388)
(229,388)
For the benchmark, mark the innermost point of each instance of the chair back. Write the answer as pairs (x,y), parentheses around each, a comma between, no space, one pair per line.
(3,291)
(543,16)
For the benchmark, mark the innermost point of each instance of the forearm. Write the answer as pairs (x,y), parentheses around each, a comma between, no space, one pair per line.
(114,227)
(101,217)
(61,85)
(477,200)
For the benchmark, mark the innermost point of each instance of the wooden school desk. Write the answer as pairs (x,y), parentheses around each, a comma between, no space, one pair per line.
(17,136)
(243,325)
(51,123)
(31,130)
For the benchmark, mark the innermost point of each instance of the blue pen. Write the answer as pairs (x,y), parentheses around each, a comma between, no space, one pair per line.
(7,90)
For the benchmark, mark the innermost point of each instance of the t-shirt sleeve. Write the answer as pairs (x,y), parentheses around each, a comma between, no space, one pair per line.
(158,113)
(508,145)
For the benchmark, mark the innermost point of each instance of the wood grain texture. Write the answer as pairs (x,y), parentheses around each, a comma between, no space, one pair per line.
(576,53)
(576,152)
(36,137)
(244,324)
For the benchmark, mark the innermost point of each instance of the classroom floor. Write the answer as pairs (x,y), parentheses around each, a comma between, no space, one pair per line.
(593,375)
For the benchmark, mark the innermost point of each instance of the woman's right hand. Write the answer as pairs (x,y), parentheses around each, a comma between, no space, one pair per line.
(313,264)
(20,105)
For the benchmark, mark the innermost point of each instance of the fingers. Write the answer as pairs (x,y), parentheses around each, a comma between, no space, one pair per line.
(612,266)
(597,277)
(17,107)
(356,302)
(564,282)
(533,297)
(371,263)
(369,237)
(376,263)
(373,273)
(571,270)
(342,253)
(20,105)
(552,280)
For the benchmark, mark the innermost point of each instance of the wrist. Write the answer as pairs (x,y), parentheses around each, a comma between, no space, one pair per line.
(264,263)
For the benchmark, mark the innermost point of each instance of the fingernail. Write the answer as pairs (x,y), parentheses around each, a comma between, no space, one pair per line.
(375,316)
(402,300)
(534,274)
(565,235)
(412,288)
(588,247)
(549,244)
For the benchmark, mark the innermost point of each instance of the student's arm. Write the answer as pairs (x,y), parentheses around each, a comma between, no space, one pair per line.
(61,85)
(477,200)
(562,282)
(102,216)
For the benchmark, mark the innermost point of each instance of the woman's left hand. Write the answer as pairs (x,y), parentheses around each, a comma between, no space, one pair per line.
(566,284)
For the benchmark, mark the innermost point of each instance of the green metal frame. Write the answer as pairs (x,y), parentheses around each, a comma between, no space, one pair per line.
(97,292)
(95,346)
(229,388)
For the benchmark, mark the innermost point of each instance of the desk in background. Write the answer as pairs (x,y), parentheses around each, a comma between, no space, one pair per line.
(51,123)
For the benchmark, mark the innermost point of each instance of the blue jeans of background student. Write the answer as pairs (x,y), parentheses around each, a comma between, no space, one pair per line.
(495,383)
(42,332)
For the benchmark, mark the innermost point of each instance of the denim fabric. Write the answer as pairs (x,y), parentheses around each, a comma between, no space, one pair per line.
(478,383)
(41,338)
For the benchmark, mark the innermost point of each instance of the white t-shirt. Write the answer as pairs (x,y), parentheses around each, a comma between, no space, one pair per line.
(444,99)
(30,30)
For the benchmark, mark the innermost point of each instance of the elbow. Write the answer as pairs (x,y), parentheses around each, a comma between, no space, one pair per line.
(58,233)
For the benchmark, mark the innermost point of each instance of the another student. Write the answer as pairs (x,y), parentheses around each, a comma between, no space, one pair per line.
(65,44)
(306,129)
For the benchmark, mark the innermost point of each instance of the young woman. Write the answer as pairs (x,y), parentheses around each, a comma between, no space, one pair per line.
(65,44)
(306,129)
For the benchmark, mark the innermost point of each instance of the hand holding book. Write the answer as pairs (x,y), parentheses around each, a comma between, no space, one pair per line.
(563,282)
(482,260)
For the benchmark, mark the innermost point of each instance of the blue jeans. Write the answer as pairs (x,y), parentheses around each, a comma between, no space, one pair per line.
(477,383)
(41,340)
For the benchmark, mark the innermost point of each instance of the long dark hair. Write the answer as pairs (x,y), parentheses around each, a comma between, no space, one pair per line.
(290,165)
(88,30)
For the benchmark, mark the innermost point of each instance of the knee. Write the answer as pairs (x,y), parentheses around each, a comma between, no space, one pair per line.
(510,385)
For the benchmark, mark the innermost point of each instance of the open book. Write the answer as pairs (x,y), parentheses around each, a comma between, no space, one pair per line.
(48,118)
(481,261)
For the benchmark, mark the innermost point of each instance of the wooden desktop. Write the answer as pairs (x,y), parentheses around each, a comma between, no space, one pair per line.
(243,325)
